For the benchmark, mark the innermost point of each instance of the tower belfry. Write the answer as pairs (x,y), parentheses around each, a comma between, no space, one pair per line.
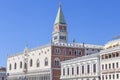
(60,34)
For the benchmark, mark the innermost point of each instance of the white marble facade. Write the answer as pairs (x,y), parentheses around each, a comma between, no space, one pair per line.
(30,64)
(82,68)
(110,61)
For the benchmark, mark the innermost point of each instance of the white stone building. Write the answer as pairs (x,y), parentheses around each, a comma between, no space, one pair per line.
(110,61)
(43,63)
(82,68)
(30,64)
(3,73)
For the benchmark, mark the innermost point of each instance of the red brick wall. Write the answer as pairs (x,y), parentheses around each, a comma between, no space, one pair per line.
(56,73)
(59,27)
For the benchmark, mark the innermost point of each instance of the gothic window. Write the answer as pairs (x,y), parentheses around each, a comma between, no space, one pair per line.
(75,52)
(46,61)
(20,64)
(57,62)
(31,62)
(64,51)
(15,66)
(10,67)
(37,63)
(57,50)
(79,52)
(70,52)
(25,65)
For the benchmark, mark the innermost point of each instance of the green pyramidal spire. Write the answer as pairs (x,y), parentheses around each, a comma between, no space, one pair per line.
(60,17)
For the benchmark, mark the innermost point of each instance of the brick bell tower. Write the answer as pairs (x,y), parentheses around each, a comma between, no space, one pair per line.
(60,34)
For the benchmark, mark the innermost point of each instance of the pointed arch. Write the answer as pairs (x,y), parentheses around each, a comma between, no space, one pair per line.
(57,62)
(64,51)
(10,67)
(38,63)
(31,62)
(46,61)
(15,66)
(20,64)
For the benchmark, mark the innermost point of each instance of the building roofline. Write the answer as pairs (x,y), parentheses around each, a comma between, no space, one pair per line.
(83,57)
(72,45)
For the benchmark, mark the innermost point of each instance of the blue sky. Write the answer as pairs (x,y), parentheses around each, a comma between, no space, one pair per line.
(31,21)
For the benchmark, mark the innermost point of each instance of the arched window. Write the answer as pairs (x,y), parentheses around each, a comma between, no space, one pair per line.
(10,67)
(109,55)
(79,52)
(75,52)
(70,52)
(25,65)
(57,62)
(38,63)
(31,63)
(64,51)
(57,50)
(20,64)
(113,54)
(46,61)
(15,66)
(117,54)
